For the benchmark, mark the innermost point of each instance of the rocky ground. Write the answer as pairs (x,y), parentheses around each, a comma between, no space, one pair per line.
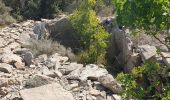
(25,77)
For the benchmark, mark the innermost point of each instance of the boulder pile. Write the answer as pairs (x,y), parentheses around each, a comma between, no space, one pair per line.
(25,77)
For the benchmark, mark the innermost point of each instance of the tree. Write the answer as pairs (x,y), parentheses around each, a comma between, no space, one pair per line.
(151,16)
(93,37)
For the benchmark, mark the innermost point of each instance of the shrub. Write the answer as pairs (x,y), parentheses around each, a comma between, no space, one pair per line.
(93,36)
(145,82)
(5,17)
(48,47)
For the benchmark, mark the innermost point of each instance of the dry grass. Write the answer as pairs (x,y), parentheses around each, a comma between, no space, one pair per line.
(48,47)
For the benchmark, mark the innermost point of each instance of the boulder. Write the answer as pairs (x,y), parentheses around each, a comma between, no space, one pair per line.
(28,57)
(47,92)
(12,59)
(166,58)
(38,80)
(147,51)
(66,69)
(92,71)
(60,29)
(109,82)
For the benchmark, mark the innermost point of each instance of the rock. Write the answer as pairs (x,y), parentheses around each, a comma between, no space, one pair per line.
(46,71)
(117,97)
(41,58)
(2,42)
(14,45)
(38,80)
(66,69)
(109,82)
(58,73)
(60,29)
(166,58)
(50,62)
(95,92)
(23,39)
(93,72)
(47,92)
(6,68)
(132,62)
(19,65)
(41,31)
(10,58)
(59,58)
(147,51)
(28,57)
(75,73)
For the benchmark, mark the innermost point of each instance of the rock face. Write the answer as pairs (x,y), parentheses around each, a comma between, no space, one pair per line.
(47,92)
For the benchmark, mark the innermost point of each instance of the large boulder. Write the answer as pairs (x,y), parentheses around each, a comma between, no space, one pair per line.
(47,92)
(60,29)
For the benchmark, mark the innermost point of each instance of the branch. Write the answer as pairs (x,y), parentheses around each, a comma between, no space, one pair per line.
(162,42)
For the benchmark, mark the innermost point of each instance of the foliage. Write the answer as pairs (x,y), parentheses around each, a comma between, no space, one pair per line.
(5,17)
(92,35)
(144,82)
(104,7)
(39,47)
(152,16)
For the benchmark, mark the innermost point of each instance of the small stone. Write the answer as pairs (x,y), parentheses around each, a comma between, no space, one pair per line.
(6,68)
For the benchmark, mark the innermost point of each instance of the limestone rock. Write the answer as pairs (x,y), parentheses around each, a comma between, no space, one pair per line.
(66,69)
(47,92)
(10,58)
(166,58)
(6,68)
(92,71)
(38,80)
(109,82)
(147,51)
(117,97)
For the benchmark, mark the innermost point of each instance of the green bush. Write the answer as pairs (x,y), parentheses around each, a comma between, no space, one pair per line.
(146,82)
(93,36)
(49,47)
